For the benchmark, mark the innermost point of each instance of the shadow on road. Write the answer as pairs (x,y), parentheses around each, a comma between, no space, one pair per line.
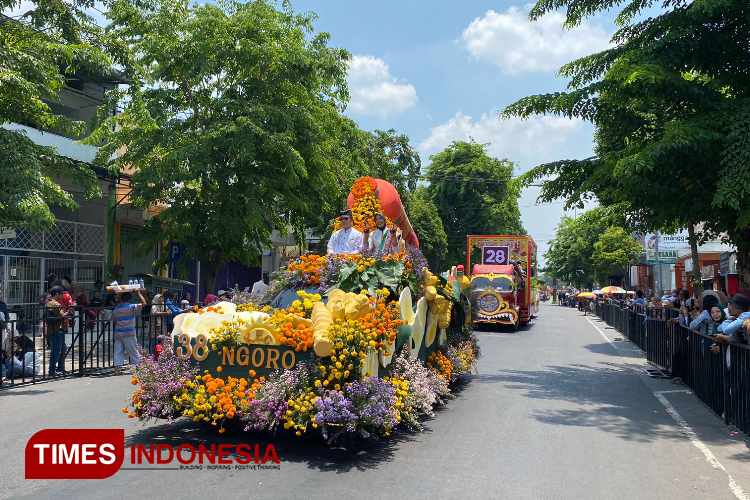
(353,454)
(490,328)
(17,391)
(607,396)
(605,348)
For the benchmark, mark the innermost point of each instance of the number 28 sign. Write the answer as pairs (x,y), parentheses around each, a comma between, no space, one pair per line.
(495,255)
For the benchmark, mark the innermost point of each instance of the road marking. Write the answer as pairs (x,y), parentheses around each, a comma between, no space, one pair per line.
(688,431)
(601,333)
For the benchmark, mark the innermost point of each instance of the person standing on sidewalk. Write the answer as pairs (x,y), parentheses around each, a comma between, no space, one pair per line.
(124,316)
(56,332)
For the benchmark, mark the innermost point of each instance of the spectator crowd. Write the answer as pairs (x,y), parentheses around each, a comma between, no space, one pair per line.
(33,335)
(724,319)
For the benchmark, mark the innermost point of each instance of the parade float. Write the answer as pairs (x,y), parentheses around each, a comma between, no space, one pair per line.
(503,270)
(340,345)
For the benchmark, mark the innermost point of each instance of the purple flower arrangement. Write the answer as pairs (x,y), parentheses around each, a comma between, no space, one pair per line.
(267,409)
(373,399)
(159,381)
(426,388)
(329,275)
(418,261)
(335,414)
(463,357)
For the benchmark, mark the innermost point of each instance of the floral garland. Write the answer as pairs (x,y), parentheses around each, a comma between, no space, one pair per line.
(310,266)
(297,400)
(365,207)
(214,400)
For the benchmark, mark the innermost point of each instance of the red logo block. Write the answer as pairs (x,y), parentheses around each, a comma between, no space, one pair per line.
(74,453)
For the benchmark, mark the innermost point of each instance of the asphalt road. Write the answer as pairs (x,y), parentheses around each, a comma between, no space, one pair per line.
(556,411)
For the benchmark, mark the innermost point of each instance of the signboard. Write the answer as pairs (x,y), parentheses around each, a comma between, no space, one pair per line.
(7,233)
(665,247)
(728,263)
(176,252)
(246,360)
(634,276)
(708,272)
(496,255)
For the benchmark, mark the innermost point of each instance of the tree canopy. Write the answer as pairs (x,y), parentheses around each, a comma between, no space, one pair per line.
(570,256)
(230,124)
(670,103)
(614,251)
(382,154)
(39,50)
(391,157)
(474,194)
(426,221)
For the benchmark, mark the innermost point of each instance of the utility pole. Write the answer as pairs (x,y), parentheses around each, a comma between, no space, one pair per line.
(197,282)
(658,265)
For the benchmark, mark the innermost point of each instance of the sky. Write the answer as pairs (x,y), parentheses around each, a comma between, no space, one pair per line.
(444,72)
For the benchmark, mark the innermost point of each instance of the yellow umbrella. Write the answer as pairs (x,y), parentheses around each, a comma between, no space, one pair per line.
(585,295)
(613,289)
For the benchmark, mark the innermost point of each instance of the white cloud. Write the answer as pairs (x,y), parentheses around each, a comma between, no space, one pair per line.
(18,10)
(517,45)
(96,12)
(526,142)
(374,91)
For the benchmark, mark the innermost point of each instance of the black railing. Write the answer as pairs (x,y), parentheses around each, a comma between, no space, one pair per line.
(718,374)
(88,342)
(657,343)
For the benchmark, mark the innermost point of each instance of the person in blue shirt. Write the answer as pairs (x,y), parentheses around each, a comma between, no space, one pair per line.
(639,299)
(124,326)
(170,307)
(732,330)
(701,321)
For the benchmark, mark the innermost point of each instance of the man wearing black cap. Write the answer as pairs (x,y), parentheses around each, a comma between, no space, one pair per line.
(732,330)
(347,239)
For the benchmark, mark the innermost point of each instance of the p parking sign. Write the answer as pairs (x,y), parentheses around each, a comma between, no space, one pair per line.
(495,255)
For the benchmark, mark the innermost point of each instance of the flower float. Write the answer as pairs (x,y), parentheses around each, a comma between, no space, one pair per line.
(346,345)
(339,363)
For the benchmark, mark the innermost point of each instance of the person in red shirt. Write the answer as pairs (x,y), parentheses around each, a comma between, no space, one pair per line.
(161,345)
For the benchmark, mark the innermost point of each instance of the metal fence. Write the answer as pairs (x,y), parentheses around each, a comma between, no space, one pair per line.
(720,377)
(88,343)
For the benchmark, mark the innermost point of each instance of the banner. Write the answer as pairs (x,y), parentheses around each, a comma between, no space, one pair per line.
(665,247)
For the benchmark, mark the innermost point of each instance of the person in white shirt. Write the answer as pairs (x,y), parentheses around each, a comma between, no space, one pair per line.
(347,239)
(260,287)
(381,240)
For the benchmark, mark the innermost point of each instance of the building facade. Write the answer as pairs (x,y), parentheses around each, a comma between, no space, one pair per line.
(76,247)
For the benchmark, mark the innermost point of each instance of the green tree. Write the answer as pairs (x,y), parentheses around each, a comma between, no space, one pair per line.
(474,194)
(39,50)
(231,123)
(671,105)
(426,221)
(613,252)
(570,253)
(390,156)
(385,155)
